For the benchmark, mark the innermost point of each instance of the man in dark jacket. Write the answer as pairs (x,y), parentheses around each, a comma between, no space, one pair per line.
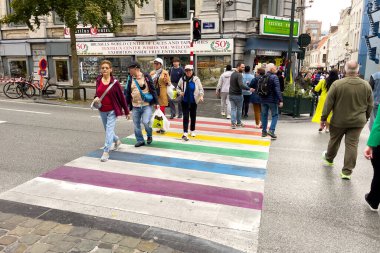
(236,95)
(271,102)
(176,72)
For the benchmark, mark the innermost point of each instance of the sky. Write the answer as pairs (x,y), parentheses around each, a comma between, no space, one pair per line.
(327,11)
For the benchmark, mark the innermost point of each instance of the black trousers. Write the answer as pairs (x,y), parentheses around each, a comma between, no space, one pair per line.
(374,194)
(245,105)
(189,110)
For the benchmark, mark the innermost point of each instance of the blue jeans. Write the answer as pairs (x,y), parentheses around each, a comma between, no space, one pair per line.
(109,123)
(143,114)
(264,116)
(236,107)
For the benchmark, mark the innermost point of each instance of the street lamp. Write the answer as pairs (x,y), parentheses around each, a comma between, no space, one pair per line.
(301,8)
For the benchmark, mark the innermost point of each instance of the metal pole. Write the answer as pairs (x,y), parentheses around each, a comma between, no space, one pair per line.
(191,38)
(288,69)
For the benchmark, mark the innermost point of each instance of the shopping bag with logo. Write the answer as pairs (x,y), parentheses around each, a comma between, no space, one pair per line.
(159,121)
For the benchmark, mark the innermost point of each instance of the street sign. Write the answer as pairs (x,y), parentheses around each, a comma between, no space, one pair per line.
(304,40)
(42,64)
(278,26)
(209,25)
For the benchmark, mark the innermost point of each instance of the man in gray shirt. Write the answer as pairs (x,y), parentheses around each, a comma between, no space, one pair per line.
(236,95)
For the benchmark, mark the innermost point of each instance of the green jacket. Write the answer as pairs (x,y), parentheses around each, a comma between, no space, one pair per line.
(374,137)
(351,101)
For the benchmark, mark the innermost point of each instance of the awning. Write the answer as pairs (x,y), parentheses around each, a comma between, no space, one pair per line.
(269,44)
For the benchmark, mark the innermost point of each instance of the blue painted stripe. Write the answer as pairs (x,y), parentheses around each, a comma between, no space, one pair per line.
(181,163)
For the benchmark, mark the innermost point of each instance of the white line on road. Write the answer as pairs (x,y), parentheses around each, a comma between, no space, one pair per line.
(2,122)
(43,104)
(14,110)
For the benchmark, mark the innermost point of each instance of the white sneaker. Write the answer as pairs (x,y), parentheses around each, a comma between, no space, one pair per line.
(223,114)
(228,116)
(105,157)
(193,134)
(184,137)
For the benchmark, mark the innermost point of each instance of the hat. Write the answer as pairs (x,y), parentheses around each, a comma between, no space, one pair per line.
(189,67)
(159,60)
(134,64)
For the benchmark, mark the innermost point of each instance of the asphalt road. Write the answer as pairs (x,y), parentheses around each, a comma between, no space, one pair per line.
(307,208)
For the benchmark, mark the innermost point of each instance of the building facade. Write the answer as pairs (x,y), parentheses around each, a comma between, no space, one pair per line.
(314,29)
(159,29)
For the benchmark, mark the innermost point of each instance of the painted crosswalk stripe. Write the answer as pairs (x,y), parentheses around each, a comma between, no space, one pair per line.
(184,164)
(203,149)
(210,194)
(2,122)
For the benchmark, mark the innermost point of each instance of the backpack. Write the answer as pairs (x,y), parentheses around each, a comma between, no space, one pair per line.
(263,88)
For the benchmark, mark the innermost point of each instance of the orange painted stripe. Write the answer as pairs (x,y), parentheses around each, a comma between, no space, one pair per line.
(218,130)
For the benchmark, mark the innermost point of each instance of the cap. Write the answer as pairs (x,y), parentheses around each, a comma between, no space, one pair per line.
(189,67)
(159,60)
(134,64)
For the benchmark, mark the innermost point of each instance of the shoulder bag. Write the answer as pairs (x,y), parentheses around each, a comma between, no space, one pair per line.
(98,104)
(146,97)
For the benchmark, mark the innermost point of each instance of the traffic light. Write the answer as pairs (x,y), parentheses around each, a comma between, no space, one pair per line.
(301,54)
(197,29)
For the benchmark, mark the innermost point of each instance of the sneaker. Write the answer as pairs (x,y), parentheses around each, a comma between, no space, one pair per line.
(139,144)
(271,134)
(264,134)
(328,163)
(240,125)
(327,131)
(179,116)
(105,157)
(223,114)
(193,134)
(184,137)
(228,116)
(320,130)
(233,126)
(117,145)
(344,176)
(172,117)
(371,207)
(149,140)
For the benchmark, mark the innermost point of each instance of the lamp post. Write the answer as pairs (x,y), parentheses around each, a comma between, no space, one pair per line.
(221,6)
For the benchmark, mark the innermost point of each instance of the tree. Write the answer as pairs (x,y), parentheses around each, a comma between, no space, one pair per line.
(72,13)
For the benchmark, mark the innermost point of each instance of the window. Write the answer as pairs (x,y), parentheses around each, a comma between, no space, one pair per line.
(17,68)
(57,20)
(10,11)
(129,15)
(178,9)
(209,68)
(62,70)
(264,7)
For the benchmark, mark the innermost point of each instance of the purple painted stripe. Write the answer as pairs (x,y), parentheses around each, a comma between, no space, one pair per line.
(211,194)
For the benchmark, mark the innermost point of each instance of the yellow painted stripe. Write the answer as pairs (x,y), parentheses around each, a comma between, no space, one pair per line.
(218,139)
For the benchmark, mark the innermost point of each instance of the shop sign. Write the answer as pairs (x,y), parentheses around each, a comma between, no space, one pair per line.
(268,52)
(278,26)
(89,32)
(166,47)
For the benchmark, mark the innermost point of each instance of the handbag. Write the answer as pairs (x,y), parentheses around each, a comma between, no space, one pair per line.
(146,97)
(97,105)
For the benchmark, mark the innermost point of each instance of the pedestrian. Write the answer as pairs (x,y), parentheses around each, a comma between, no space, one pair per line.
(372,152)
(374,81)
(112,106)
(323,87)
(141,110)
(247,78)
(176,72)
(161,80)
(351,101)
(255,98)
(271,102)
(281,79)
(222,89)
(191,91)
(236,95)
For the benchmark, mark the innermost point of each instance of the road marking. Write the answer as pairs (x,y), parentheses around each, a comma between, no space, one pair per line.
(14,110)
(45,104)
(2,122)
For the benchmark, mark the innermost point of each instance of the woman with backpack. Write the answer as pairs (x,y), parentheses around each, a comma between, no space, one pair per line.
(324,86)
(255,98)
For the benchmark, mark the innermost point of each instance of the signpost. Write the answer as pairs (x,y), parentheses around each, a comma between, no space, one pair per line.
(42,64)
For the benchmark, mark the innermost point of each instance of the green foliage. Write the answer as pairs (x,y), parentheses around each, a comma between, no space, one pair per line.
(72,12)
(301,87)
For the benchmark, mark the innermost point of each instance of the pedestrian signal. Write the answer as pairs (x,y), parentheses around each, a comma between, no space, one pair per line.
(197,29)
(301,54)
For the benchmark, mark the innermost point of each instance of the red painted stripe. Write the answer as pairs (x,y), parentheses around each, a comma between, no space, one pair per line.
(204,193)
(218,130)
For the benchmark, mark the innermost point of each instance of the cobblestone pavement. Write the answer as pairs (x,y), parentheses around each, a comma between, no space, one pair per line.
(19,234)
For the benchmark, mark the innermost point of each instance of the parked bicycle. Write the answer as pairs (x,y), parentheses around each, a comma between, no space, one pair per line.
(19,87)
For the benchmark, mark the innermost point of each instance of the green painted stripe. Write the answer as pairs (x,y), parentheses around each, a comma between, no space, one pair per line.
(203,149)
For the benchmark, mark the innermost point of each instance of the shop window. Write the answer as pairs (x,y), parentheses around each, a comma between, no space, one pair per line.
(264,7)
(10,11)
(178,9)
(17,68)
(62,70)
(209,68)
(168,60)
(146,63)
(57,19)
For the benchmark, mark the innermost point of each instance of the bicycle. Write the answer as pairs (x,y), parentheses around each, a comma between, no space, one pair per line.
(49,90)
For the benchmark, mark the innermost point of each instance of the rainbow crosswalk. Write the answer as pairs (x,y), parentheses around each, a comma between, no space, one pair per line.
(210,187)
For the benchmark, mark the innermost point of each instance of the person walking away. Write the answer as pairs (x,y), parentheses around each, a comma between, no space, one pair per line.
(270,101)
(236,95)
(374,81)
(176,73)
(142,111)
(112,106)
(222,89)
(161,80)
(247,78)
(372,152)
(351,101)
(255,98)
(191,91)
(281,79)
(323,87)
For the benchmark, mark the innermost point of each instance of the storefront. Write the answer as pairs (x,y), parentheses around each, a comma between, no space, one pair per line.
(15,63)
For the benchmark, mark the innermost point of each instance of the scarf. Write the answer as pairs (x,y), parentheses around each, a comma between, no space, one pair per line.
(157,76)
